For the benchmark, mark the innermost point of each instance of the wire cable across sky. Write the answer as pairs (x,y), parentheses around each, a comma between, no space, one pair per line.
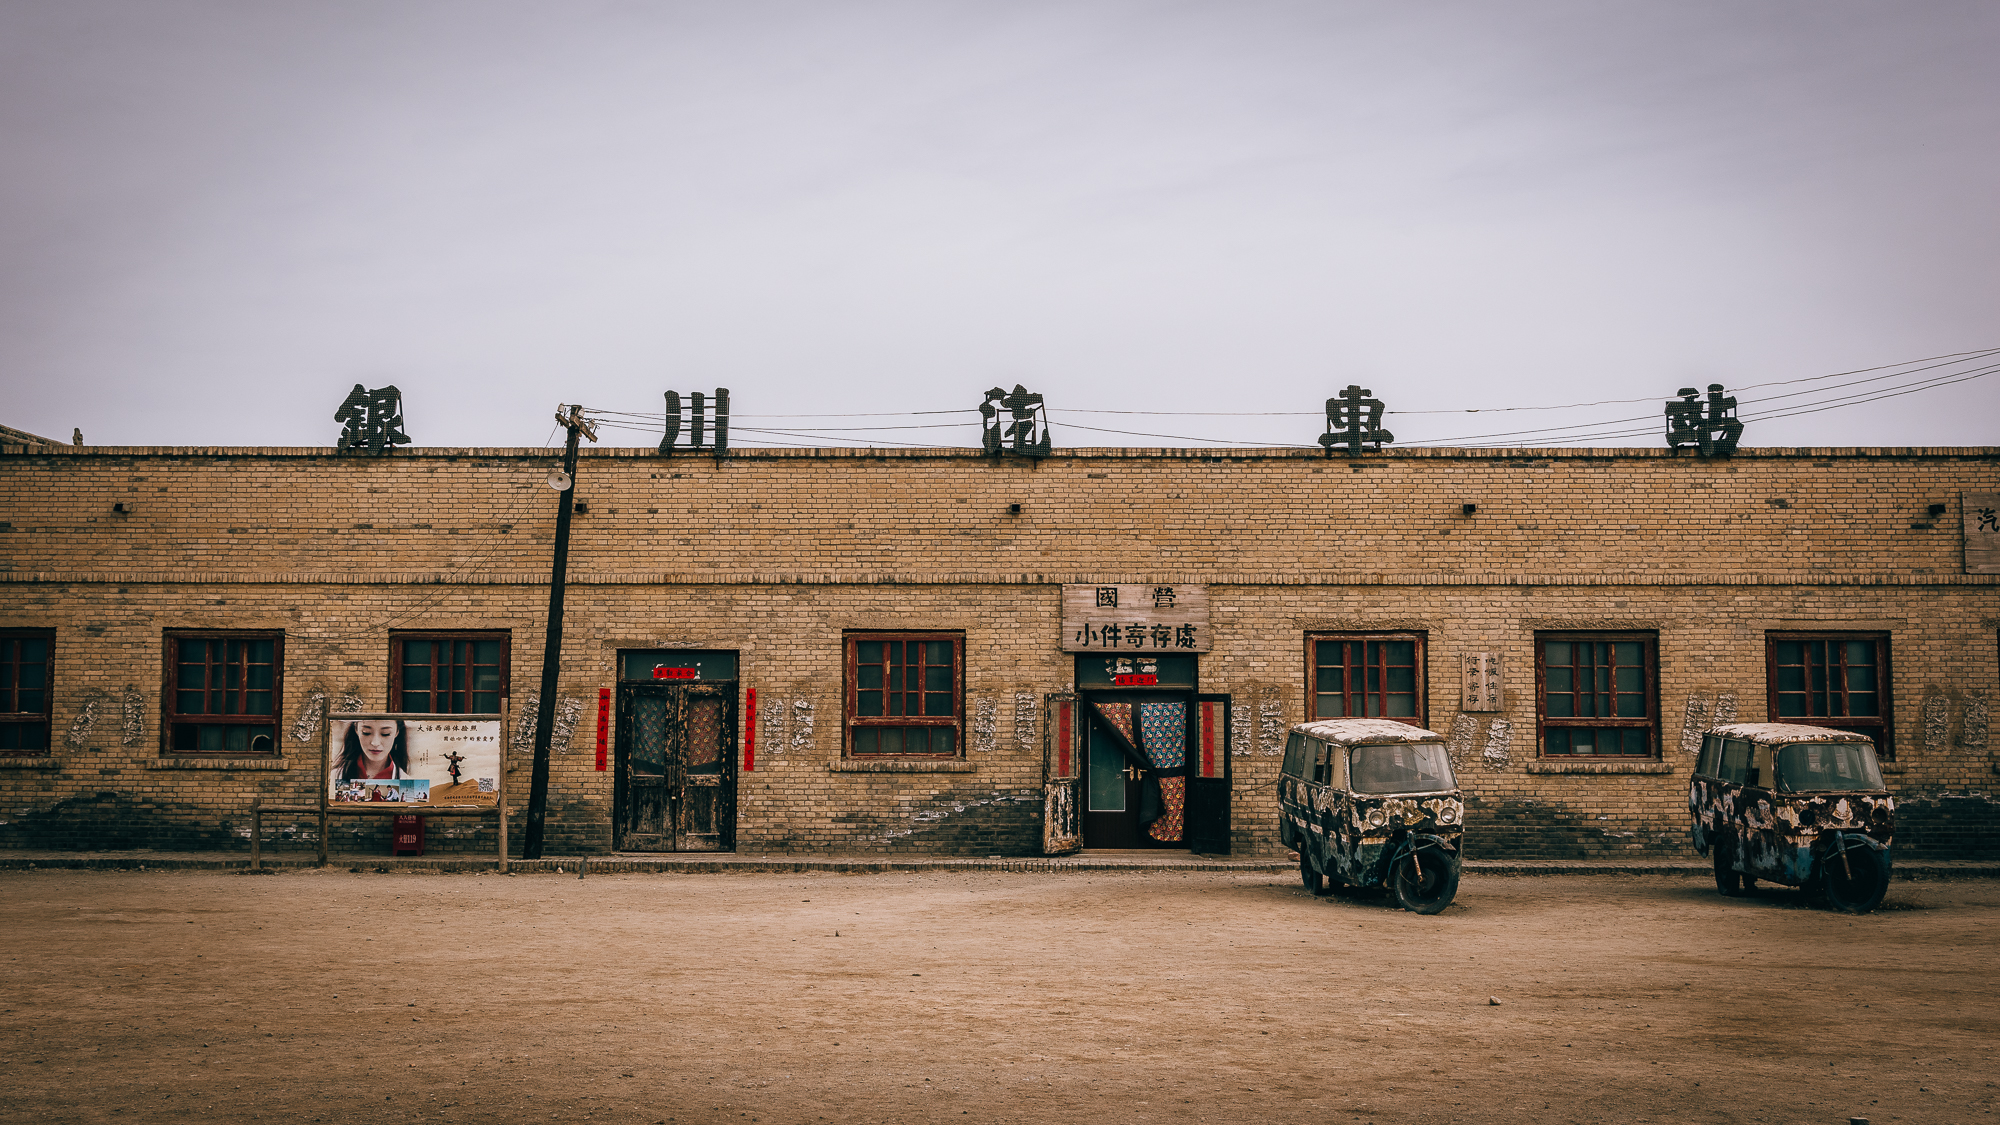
(1909,377)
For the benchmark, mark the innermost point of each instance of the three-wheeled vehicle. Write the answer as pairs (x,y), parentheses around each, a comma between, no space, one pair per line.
(1799,805)
(1372,802)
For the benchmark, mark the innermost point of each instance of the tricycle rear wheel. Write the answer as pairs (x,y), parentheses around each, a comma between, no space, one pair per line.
(1428,892)
(1727,880)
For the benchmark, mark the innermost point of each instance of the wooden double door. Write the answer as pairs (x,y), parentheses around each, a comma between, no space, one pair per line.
(676,782)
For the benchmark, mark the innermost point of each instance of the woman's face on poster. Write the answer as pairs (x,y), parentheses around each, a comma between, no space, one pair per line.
(377,738)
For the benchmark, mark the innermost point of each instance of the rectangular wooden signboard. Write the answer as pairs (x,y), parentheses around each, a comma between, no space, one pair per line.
(1154,617)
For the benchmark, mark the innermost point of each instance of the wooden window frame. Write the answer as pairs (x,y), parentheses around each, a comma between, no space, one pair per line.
(1423,703)
(1880,727)
(1650,646)
(9,687)
(398,637)
(171,719)
(853,720)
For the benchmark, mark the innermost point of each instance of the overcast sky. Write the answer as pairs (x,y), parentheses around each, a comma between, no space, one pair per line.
(217,217)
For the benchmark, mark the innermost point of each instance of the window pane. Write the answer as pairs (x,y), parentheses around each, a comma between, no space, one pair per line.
(868,652)
(193,676)
(1791,705)
(260,677)
(1403,680)
(419,701)
(868,676)
(256,703)
(867,740)
(1332,679)
(262,651)
(943,740)
(1558,741)
(940,653)
(416,652)
(29,675)
(188,702)
(31,702)
(892,740)
(1558,652)
(937,678)
(937,704)
(1862,703)
(1330,653)
(868,703)
(1861,679)
(1559,707)
(185,737)
(1402,706)
(1629,652)
(1631,706)
(1402,652)
(1791,652)
(1634,741)
(486,679)
(1631,678)
(1860,652)
(1331,707)
(1559,679)
(1791,678)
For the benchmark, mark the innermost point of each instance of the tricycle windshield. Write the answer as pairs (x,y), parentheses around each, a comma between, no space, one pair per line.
(1809,767)
(1402,767)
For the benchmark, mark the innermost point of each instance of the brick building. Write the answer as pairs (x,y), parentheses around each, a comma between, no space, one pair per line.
(910,620)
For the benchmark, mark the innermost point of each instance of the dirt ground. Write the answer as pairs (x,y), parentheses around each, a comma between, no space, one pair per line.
(331,996)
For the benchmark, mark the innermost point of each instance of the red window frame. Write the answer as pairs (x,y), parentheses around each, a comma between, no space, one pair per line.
(1374,690)
(26,732)
(1560,726)
(224,704)
(460,698)
(1837,688)
(860,731)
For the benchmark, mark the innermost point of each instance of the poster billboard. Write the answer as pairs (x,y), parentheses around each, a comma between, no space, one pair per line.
(416,760)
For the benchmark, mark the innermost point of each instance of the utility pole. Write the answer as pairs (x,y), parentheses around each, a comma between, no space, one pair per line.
(564,482)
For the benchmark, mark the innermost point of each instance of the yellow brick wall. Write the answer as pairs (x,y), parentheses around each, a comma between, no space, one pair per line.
(773,554)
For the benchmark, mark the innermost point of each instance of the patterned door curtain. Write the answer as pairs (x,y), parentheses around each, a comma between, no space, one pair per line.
(1163,732)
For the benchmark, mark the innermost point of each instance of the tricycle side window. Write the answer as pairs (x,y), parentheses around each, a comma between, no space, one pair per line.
(1735,767)
(1711,755)
(1323,757)
(1295,755)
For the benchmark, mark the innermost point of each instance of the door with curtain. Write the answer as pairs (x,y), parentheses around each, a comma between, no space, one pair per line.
(1136,768)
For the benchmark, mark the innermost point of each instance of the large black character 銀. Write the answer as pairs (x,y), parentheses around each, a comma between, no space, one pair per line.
(371,420)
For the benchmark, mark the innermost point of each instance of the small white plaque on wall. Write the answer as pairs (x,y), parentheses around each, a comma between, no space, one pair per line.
(1482,685)
(1982,532)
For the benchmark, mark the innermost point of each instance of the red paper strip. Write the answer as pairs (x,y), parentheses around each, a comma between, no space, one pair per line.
(603,727)
(1135,679)
(749,730)
(1208,765)
(1062,740)
(664,673)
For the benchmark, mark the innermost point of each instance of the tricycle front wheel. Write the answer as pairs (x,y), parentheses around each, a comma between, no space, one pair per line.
(1854,882)
(1424,884)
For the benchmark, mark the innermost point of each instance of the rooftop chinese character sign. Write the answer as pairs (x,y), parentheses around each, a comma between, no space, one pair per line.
(1982,532)
(1152,617)
(414,759)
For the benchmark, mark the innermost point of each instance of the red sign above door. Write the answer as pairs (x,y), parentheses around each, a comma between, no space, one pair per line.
(677,673)
(1135,679)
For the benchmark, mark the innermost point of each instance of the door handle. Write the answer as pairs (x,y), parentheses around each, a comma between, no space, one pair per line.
(1133,773)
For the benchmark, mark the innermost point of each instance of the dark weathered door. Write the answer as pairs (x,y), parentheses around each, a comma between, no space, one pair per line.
(1208,777)
(676,788)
